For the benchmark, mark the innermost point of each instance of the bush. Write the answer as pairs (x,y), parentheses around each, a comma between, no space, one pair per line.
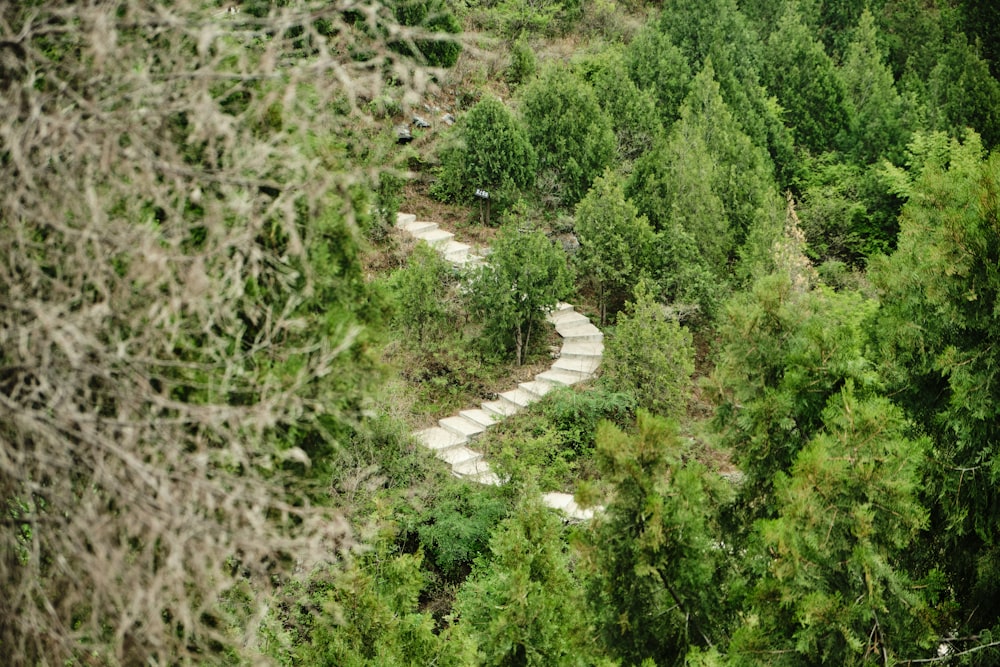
(434,17)
(457,528)
(650,357)
(493,154)
(575,414)
(523,63)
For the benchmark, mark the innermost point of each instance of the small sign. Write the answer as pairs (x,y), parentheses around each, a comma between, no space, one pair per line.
(482,194)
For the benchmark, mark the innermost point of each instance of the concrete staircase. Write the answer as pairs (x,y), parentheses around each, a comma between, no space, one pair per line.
(453,438)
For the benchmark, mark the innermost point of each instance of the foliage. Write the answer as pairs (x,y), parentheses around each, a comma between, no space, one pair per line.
(880,118)
(524,278)
(935,336)
(522,603)
(420,292)
(433,16)
(523,62)
(832,589)
(802,76)
(185,328)
(785,350)
(847,211)
(962,93)
(651,551)
(456,528)
(570,132)
(633,112)
(493,154)
(650,356)
(366,613)
(575,414)
(615,243)
(659,67)
(704,189)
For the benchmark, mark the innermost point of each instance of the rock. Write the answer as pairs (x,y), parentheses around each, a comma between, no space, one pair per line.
(420,122)
(448,119)
(403,134)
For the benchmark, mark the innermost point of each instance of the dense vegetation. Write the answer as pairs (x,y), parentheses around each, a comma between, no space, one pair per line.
(785,215)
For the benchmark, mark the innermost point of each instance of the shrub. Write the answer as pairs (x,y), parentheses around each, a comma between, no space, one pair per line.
(650,356)
(492,154)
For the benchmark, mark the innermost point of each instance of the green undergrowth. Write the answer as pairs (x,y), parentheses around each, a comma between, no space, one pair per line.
(551,444)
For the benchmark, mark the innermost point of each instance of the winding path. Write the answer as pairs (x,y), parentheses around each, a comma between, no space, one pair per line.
(579,358)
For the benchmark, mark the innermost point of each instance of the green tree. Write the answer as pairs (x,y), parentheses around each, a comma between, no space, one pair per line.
(522,603)
(421,290)
(657,66)
(653,567)
(650,356)
(935,334)
(572,135)
(962,93)
(633,111)
(365,613)
(491,153)
(880,120)
(797,70)
(432,17)
(831,586)
(717,30)
(785,350)
(524,278)
(615,242)
(703,189)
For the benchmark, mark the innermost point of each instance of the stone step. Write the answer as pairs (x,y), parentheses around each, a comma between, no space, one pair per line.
(558,377)
(456,456)
(574,348)
(404,219)
(581,331)
(439,439)
(438,238)
(474,468)
(481,417)
(583,366)
(518,398)
(456,252)
(536,388)
(461,426)
(564,503)
(500,408)
(487,477)
(417,228)
(562,305)
(564,318)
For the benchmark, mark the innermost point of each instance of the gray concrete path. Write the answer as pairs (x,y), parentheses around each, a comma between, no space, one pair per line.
(452,440)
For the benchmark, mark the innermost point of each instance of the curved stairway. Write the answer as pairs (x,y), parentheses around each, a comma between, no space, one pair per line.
(579,358)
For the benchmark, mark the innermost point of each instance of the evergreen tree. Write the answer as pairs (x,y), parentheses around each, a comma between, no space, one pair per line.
(785,350)
(492,153)
(633,112)
(615,243)
(522,603)
(573,137)
(830,587)
(654,586)
(798,71)
(524,277)
(650,356)
(880,121)
(935,334)
(658,66)
(963,94)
